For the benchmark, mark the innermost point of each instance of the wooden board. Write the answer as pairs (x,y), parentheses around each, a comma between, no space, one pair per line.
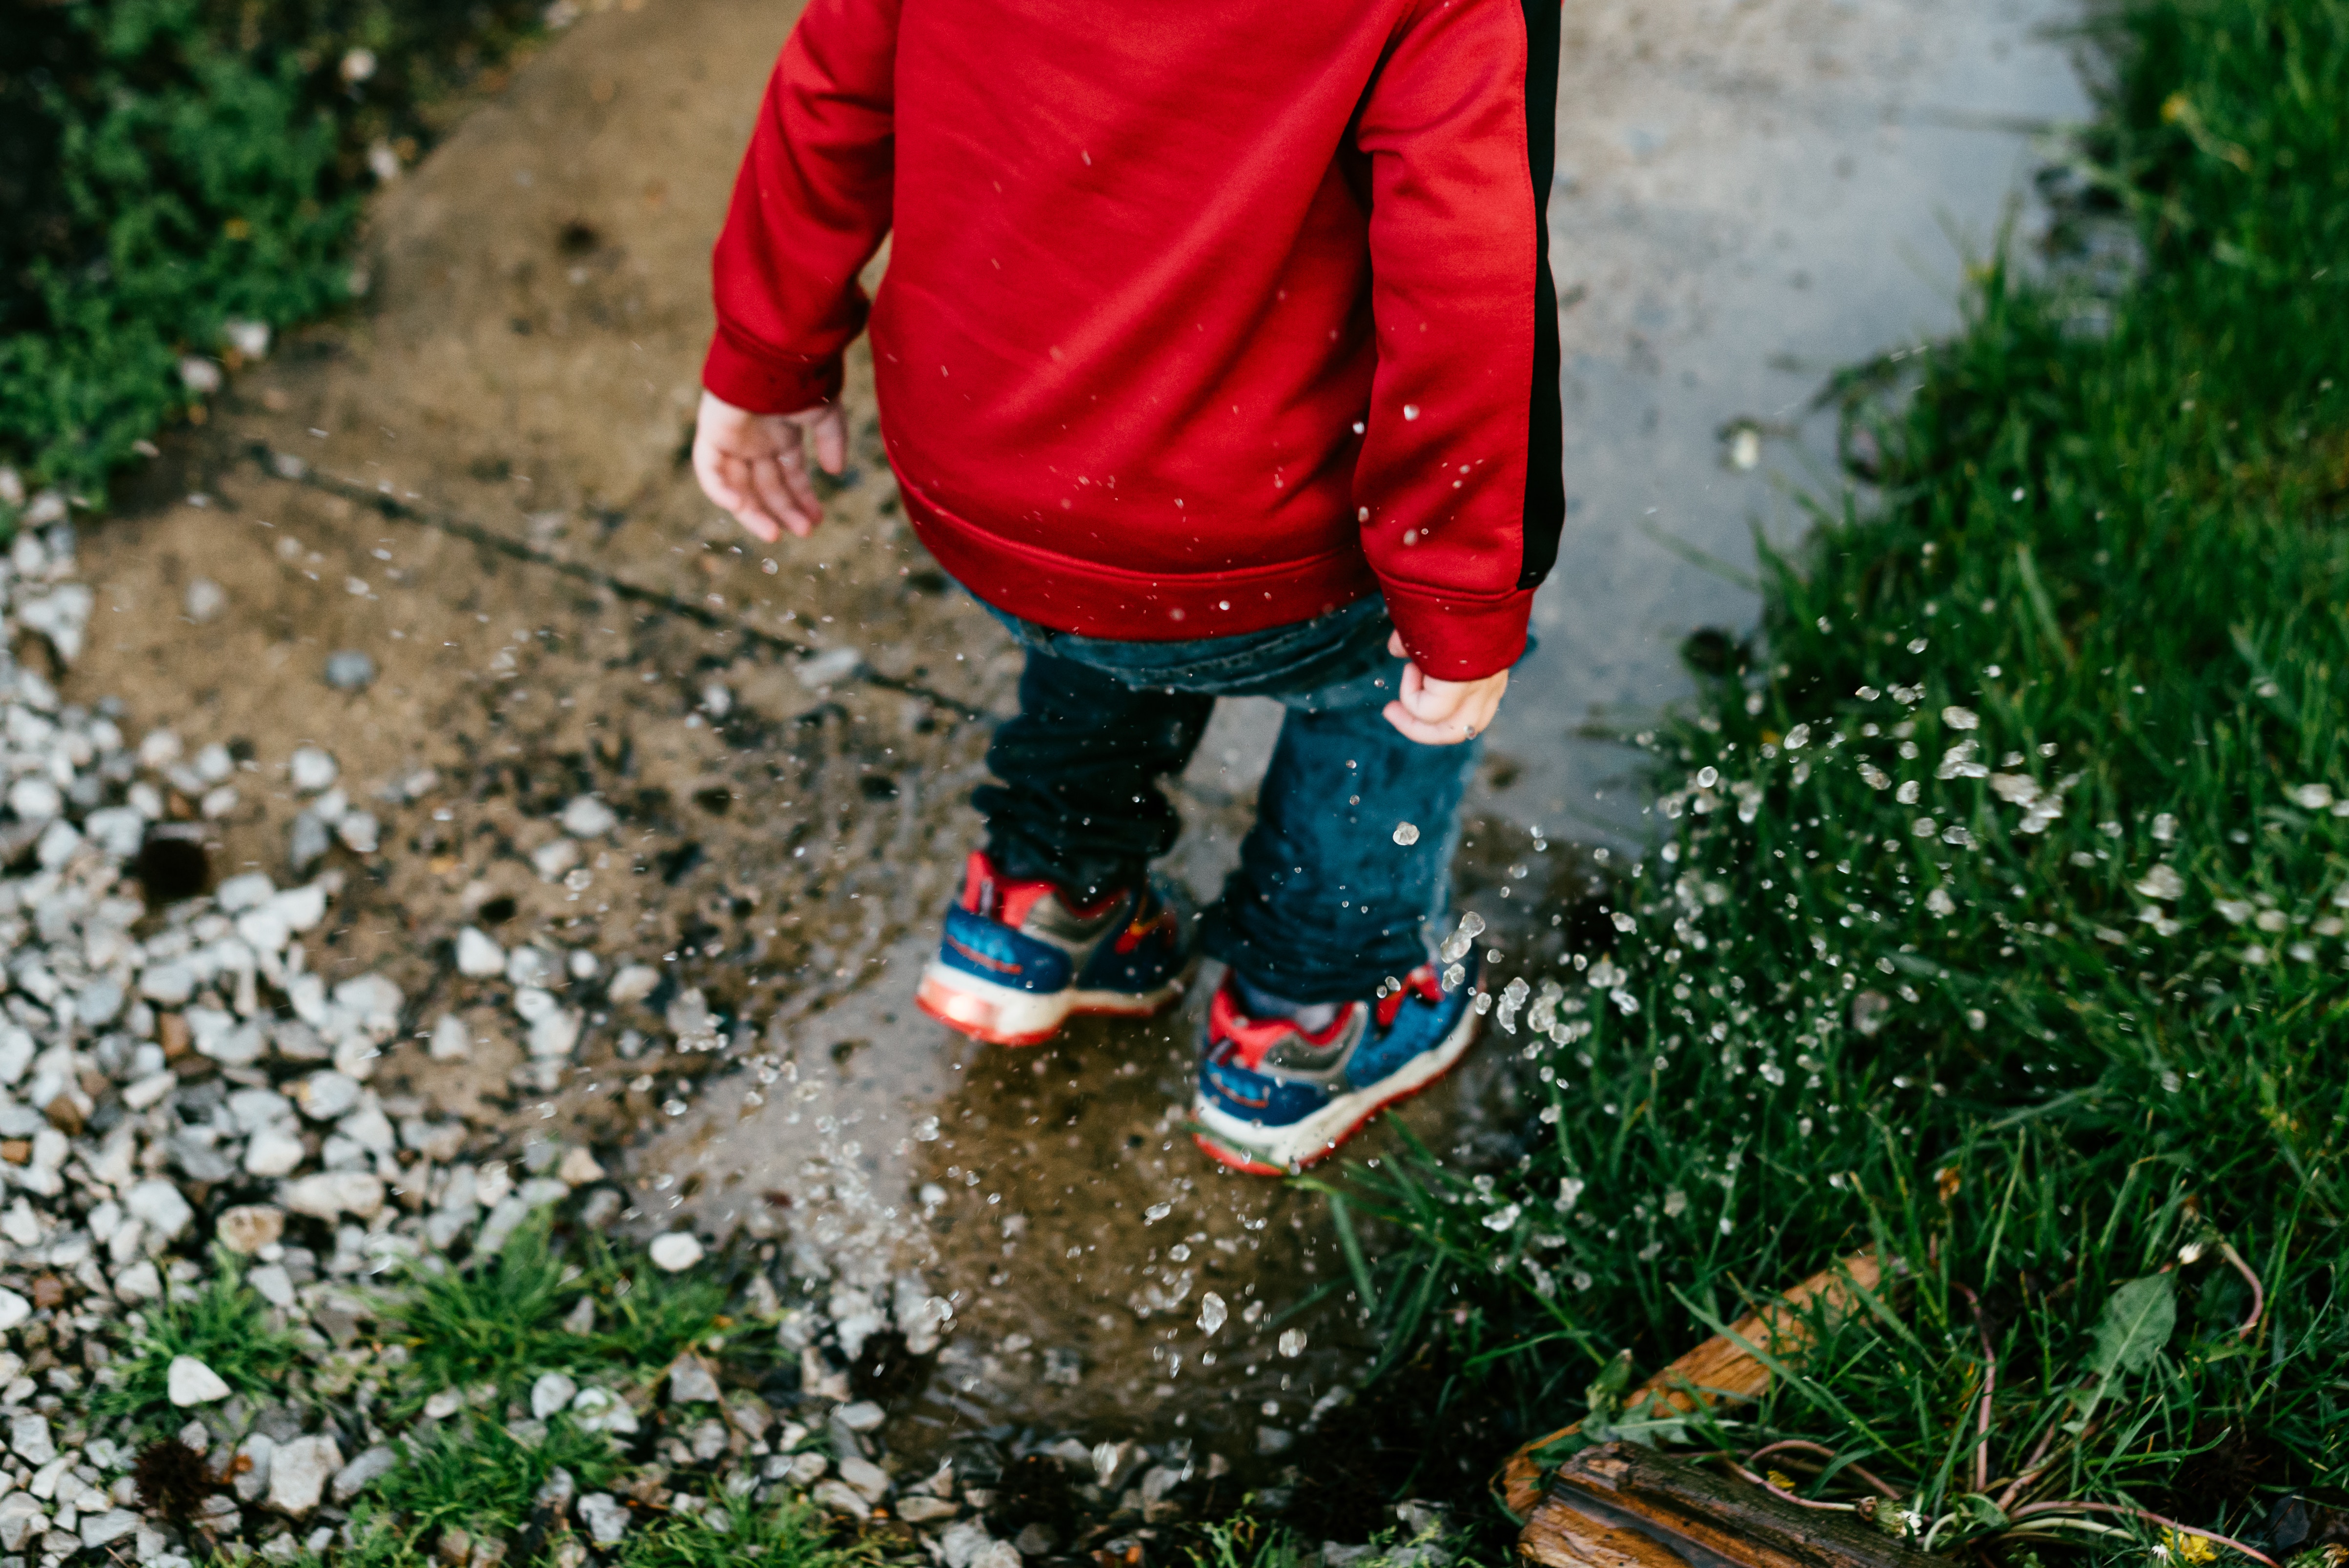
(1621,1506)
(1719,1371)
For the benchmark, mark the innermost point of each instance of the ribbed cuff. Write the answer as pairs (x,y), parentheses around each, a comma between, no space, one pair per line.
(765,384)
(1459,636)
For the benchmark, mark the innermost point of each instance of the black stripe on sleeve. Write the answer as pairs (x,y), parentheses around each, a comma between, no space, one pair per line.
(1546,416)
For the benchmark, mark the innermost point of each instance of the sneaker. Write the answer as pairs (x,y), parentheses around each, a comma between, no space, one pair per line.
(1018,957)
(1274,1099)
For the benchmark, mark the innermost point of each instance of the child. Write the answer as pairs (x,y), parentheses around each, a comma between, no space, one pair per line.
(1216,356)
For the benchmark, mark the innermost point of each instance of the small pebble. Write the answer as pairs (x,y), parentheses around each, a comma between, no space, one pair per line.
(350,670)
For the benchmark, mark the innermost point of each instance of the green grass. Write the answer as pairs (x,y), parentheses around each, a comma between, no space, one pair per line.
(729,1531)
(169,167)
(1867,995)
(481,1478)
(502,1319)
(224,1323)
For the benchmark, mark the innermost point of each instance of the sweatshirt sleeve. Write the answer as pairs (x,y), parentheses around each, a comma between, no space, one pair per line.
(810,206)
(1458,486)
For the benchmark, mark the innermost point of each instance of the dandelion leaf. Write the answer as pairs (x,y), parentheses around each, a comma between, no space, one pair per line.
(2136,1323)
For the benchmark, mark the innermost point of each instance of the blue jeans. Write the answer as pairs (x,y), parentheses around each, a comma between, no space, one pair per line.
(1325,902)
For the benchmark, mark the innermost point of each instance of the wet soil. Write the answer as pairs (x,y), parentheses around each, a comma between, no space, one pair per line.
(478,481)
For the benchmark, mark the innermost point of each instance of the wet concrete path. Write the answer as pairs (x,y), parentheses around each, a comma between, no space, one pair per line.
(786,734)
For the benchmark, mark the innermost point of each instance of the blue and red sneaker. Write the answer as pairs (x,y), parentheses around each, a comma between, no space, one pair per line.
(1274,1099)
(1018,957)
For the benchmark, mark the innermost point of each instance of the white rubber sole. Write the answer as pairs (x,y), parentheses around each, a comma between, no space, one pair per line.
(1276,1150)
(1003,1015)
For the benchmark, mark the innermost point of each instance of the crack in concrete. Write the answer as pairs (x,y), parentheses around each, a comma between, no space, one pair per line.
(288,469)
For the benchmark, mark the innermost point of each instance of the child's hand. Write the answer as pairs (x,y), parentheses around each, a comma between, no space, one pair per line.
(752,465)
(1443,713)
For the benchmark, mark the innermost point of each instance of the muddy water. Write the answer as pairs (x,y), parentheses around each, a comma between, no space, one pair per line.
(1748,190)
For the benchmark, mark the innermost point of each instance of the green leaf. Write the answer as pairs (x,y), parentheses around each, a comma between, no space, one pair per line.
(2136,1323)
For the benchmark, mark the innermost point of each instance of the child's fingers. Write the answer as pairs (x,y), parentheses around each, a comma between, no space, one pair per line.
(1414,727)
(1394,645)
(832,440)
(802,488)
(770,478)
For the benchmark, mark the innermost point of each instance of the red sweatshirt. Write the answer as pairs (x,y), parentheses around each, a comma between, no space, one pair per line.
(1201,317)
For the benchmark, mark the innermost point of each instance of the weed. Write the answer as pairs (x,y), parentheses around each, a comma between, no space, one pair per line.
(224,1325)
(170,167)
(728,1532)
(2001,919)
(506,1318)
(478,1477)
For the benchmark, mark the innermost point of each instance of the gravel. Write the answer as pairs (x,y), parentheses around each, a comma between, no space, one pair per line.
(182,1073)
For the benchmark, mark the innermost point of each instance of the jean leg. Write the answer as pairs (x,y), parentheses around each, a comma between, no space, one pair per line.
(1325,904)
(1079,802)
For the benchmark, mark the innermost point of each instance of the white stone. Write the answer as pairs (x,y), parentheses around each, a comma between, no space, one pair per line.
(171,983)
(451,1041)
(359,833)
(840,1496)
(313,769)
(30,1439)
(117,829)
(579,1167)
(996,1554)
(690,1382)
(555,1035)
(264,930)
(959,1543)
(551,1394)
(327,1096)
(633,984)
(142,1281)
(364,1471)
(249,1227)
(370,1127)
(588,818)
(863,1416)
(34,800)
(102,1529)
(299,1472)
(243,892)
(478,954)
(273,1151)
(301,908)
(554,858)
(605,1519)
(21,1519)
(272,1285)
(190,1382)
(58,841)
(157,1202)
(331,1193)
(869,1479)
(675,1250)
(528,965)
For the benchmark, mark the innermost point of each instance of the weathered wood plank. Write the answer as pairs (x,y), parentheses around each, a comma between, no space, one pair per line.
(1719,1371)
(1621,1506)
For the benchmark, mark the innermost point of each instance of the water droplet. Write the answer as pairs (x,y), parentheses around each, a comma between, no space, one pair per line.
(1405,833)
(927,1129)
(1411,411)
(1212,1313)
(1155,1212)
(1292,1343)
